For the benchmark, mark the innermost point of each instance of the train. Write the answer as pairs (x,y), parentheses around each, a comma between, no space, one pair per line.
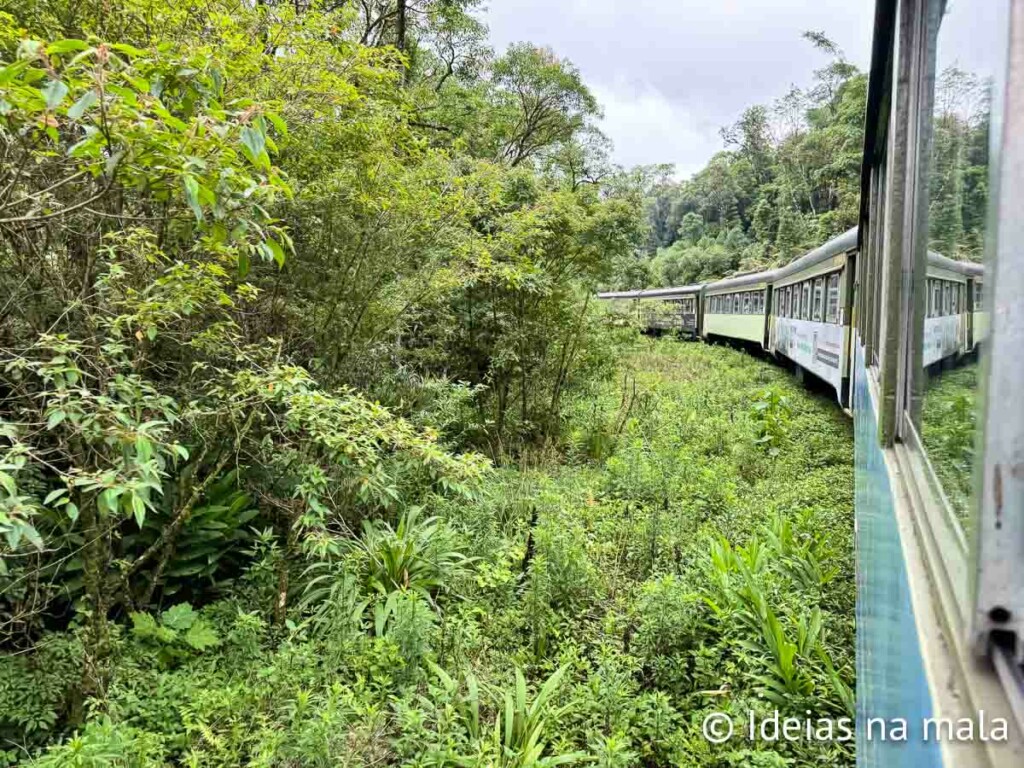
(873,313)
(802,312)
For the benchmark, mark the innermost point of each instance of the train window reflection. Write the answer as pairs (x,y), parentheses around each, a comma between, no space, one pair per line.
(954,319)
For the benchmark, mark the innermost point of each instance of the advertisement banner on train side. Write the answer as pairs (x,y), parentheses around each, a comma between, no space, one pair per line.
(818,347)
(941,337)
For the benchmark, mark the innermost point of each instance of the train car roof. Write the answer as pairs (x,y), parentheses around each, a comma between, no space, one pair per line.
(653,293)
(967,268)
(742,281)
(839,244)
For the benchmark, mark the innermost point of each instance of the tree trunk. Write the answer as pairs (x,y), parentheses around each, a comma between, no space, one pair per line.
(97,645)
(401,25)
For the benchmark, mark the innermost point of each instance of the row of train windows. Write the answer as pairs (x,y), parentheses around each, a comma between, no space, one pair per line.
(946,297)
(816,299)
(742,303)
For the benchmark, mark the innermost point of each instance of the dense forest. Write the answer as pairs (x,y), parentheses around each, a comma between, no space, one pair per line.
(315,448)
(789,179)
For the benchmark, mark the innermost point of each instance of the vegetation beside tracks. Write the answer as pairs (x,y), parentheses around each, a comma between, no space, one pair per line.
(692,553)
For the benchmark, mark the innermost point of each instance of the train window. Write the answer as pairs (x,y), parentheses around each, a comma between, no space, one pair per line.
(966,70)
(794,307)
(819,298)
(832,303)
(805,300)
(737,303)
(785,301)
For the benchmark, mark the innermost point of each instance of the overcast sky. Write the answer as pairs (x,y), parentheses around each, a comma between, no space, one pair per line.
(670,73)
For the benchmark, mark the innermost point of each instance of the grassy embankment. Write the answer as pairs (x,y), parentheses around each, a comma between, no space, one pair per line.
(692,553)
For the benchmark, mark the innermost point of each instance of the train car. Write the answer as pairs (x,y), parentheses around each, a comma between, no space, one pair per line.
(810,313)
(737,308)
(948,320)
(624,302)
(977,316)
(672,309)
(662,309)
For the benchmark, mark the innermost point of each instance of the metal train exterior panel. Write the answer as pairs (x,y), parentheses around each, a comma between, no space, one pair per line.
(943,338)
(817,347)
(739,327)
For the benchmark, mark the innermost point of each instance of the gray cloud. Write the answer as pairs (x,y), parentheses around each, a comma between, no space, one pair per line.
(670,73)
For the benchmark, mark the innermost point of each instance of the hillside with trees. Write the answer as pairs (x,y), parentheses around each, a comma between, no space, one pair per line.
(787,180)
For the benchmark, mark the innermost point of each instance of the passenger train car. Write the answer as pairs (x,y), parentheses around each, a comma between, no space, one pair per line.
(802,312)
(878,313)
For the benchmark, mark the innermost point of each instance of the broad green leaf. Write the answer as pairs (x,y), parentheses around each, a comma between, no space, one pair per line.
(254,142)
(7,482)
(79,108)
(55,419)
(278,123)
(131,50)
(54,92)
(138,509)
(52,496)
(143,625)
(201,636)
(192,196)
(276,250)
(180,616)
(66,46)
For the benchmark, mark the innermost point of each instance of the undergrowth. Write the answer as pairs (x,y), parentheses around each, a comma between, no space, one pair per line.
(690,551)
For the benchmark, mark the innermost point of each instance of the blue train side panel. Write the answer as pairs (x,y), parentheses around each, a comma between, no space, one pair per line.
(891,680)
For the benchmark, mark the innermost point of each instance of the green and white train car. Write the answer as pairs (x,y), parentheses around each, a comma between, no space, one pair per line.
(737,308)
(951,313)
(662,309)
(810,319)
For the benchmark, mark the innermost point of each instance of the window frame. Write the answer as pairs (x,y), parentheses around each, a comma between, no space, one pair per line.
(832,299)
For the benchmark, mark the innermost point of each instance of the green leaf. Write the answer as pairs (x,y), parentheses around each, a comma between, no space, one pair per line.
(243,264)
(276,250)
(7,482)
(66,46)
(72,511)
(131,50)
(278,123)
(54,92)
(144,625)
(56,417)
(201,636)
(255,143)
(138,509)
(79,108)
(52,496)
(192,196)
(180,616)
